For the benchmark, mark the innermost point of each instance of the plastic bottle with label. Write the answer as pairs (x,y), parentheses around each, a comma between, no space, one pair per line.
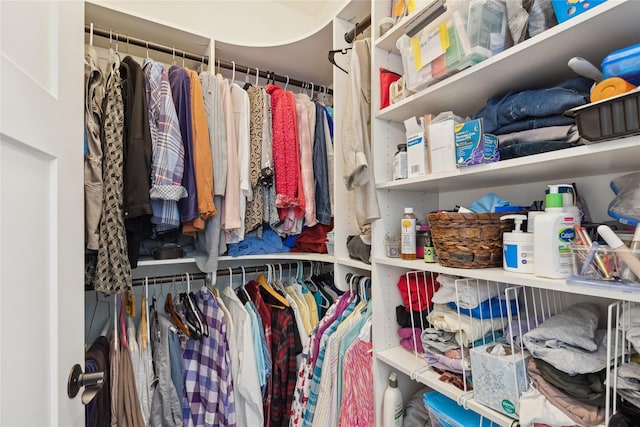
(408,234)
(392,404)
(553,234)
(517,247)
(400,170)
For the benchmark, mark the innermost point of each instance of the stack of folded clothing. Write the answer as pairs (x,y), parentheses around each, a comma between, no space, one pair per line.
(628,374)
(533,121)
(471,315)
(417,291)
(567,370)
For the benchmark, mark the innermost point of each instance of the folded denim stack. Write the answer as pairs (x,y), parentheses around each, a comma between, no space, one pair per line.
(533,121)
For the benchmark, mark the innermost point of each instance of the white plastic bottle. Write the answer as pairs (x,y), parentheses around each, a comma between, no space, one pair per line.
(517,247)
(552,236)
(392,404)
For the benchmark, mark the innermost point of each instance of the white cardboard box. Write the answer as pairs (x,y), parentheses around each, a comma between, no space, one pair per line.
(417,155)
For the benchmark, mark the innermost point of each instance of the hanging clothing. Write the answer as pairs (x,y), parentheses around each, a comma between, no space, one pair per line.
(181,92)
(356,135)
(286,156)
(357,402)
(246,381)
(207,242)
(129,410)
(306,163)
(93,98)
(203,165)
(270,211)
(231,203)
(166,407)
(321,170)
(240,103)
(113,271)
(328,137)
(98,411)
(254,210)
(168,152)
(208,382)
(137,159)
(212,97)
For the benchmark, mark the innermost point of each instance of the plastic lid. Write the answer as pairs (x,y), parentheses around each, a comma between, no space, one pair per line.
(393,380)
(410,210)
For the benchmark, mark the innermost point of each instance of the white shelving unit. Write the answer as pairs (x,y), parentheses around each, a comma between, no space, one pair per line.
(535,63)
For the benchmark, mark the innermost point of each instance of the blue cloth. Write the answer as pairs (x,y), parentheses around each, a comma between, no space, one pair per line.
(490,308)
(329,115)
(181,92)
(269,244)
(290,241)
(531,109)
(488,203)
(321,170)
(177,372)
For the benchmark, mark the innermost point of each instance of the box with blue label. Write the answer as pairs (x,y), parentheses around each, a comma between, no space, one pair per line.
(499,376)
(445,412)
(473,146)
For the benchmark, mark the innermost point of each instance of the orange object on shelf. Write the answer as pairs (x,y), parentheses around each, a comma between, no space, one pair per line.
(610,87)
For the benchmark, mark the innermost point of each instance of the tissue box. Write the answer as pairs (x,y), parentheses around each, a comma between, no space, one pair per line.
(442,156)
(473,146)
(499,380)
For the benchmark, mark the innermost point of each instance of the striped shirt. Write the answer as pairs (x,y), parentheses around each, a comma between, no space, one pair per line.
(167,164)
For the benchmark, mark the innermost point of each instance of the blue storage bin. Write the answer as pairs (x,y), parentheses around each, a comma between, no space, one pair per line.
(623,63)
(565,9)
(445,412)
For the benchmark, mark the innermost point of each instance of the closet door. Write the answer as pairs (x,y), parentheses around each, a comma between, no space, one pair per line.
(41,211)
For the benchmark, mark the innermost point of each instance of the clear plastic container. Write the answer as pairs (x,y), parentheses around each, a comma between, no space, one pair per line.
(468,33)
(624,63)
(601,267)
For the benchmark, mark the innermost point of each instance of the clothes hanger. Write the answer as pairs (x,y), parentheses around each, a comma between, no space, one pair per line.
(192,306)
(173,57)
(170,310)
(123,326)
(233,74)
(147,48)
(267,287)
(257,75)
(244,290)
(144,314)
(91,34)
(183,58)
(286,84)
(332,55)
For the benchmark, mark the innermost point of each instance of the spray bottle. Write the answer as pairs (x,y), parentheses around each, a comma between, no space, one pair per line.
(553,234)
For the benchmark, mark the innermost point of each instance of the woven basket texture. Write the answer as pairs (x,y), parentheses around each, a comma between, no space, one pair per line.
(468,240)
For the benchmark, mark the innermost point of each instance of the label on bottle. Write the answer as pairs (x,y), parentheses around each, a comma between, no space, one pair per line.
(400,170)
(408,236)
(429,254)
(398,415)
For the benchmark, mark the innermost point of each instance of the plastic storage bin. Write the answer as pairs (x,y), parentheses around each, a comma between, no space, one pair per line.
(624,63)
(445,412)
(565,9)
(590,264)
(610,118)
(468,33)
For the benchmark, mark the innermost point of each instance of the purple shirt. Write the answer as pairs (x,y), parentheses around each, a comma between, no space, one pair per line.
(208,382)
(181,91)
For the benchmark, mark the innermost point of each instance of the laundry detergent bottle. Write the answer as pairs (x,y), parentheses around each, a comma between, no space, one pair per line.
(553,235)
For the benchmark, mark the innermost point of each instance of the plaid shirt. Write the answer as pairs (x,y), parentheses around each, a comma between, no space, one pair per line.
(167,164)
(207,364)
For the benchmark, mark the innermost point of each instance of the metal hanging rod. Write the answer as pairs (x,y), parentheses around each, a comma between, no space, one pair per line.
(359,28)
(268,75)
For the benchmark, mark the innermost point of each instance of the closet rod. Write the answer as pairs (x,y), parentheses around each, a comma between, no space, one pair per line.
(350,36)
(205,59)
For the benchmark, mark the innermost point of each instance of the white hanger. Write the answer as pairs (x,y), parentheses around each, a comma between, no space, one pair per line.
(183,54)
(312,89)
(257,75)
(233,74)
(91,34)
(188,283)
(147,49)
(286,84)
(230,277)
(244,278)
(173,57)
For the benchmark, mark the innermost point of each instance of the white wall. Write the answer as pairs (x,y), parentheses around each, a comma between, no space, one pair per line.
(263,22)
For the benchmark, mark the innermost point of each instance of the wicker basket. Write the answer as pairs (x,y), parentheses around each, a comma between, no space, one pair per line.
(468,240)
